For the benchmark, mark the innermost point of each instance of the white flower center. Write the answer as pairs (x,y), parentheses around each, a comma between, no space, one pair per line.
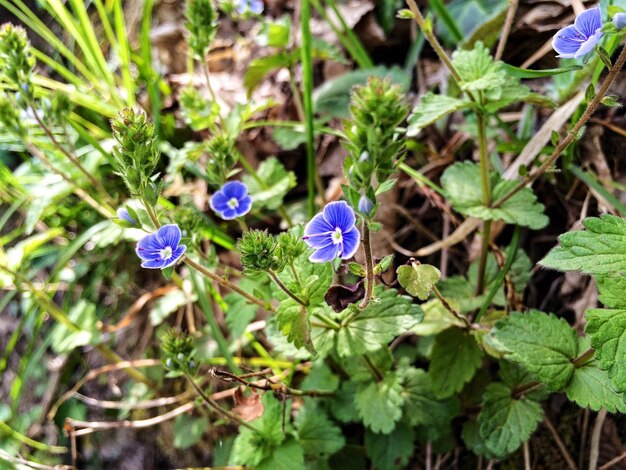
(166,253)
(337,236)
(233,203)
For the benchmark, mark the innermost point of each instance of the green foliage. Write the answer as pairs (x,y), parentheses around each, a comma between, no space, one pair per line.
(431,108)
(542,343)
(597,250)
(391,450)
(459,184)
(16,59)
(418,279)
(270,184)
(259,252)
(202,25)
(317,434)
(607,329)
(83,315)
(223,153)
(506,421)
(188,430)
(380,403)
(453,362)
(199,113)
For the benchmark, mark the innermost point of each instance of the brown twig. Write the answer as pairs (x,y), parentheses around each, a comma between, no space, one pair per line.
(559,442)
(506,29)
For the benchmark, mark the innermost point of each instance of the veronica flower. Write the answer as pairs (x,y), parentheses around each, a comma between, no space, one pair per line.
(576,40)
(161,249)
(122,214)
(365,205)
(231,201)
(254,6)
(332,233)
(619,20)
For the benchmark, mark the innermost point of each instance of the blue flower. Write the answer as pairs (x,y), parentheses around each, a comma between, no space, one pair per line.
(365,205)
(332,233)
(576,40)
(254,6)
(231,201)
(122,214)
(161,249)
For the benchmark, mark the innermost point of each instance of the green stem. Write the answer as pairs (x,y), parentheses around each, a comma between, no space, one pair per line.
(307,95)
(205,68)
(486,192)
(215,405)
(7,430)
(294,271)
(449,308)
(327,321)
(229,285)
(510,257)
(369,266)
(286,290)
(583,358)
(151,214)
(292,125)
(571,135)
(364,59)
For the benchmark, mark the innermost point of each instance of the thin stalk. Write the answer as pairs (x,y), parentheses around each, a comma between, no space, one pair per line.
(307,97)
(292,125)
(486,191)
(364,56)
(229,285)
(294,271)
(205,68)
(286,289)
(449,308)
(7,430)
(151,214)
(216,407)
(297,100)
(327,321)
(377,374)
(506,29)
(92,179)
(583,358)
(510,256)
(369,266)
(571,135)
(209,314)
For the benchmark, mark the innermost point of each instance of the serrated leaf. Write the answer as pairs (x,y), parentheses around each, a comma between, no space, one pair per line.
(454,360)
(421,405)
(612,289)
(380,404)
(378,323)
(188,430)
(320,378)
(607,328)
(272,184)
(506,422)
(459,184)
(478,70)
(418,279)
(430,109)
(542,343)
(599,249)
(318,435)
(293,322)
(393,450)
(287,456)
(591,387)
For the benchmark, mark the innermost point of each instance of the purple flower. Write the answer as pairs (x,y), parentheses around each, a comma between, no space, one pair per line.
(122,214)
(255,6)
(161,249)
(576,40)
(231,201)
(332,233)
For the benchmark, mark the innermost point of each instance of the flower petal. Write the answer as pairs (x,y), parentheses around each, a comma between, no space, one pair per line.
(351,240)
(244,206)
(228,214)
(324,254)
(154,264)
(567,41)
(588,45)
(176,254)
(149,247)
(589,21)
(169,235)
(317,226)
(218,202)
(235,189)
(339,214)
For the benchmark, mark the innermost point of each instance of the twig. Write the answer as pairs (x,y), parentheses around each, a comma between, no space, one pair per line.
(559,443)
(594,451)
(506,29)
(612,462)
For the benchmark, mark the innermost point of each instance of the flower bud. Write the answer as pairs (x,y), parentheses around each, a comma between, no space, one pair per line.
(365,205)
(619,20)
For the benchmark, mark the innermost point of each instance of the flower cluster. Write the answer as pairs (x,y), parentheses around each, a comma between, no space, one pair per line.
(332,233)
(162,249)
(231,201)
(575,41)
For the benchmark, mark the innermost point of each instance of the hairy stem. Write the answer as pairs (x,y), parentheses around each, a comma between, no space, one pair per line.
(369,266)
(449,308)
(486,191)
(286,289)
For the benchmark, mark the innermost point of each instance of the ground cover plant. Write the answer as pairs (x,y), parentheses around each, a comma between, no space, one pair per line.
(285,250)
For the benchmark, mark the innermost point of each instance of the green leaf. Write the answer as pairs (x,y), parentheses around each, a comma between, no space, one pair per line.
(83,315)
(378,323)
(293,322)
(393,450)
(528,73)
(259,68)
(591,387)
(436,318)
(478,70)
(473,440)
(188,430)
(332,98)
(418,279)
(318,435)
(459,183)
(597,250)
(612,290)
(542,343)
(506,422)
(273,183)
(607,328)
(320,378)
(454,360)
(288,456)
(239,313)
(430,109)
(380,404)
